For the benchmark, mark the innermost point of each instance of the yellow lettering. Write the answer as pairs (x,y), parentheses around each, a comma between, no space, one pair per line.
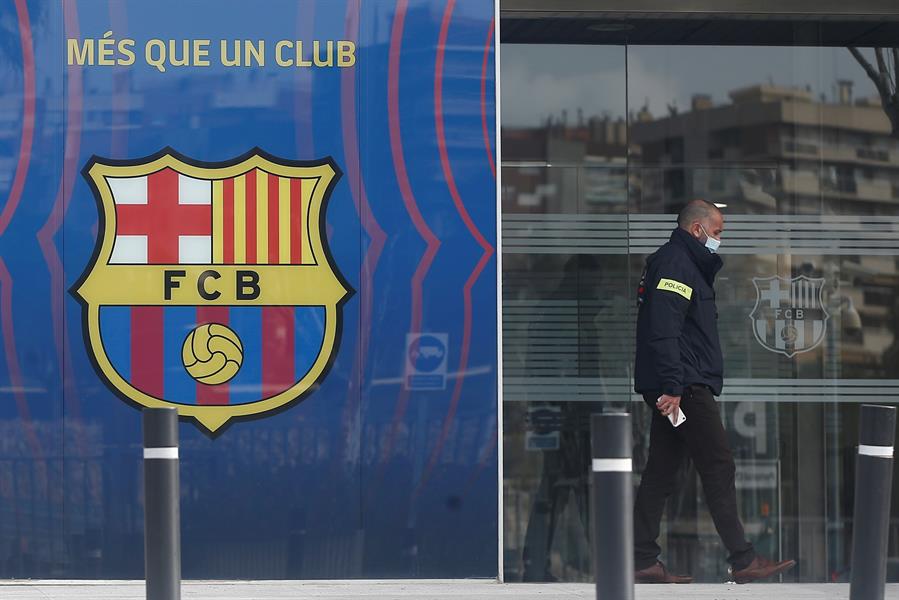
(157,58)
(225,59)
(201,53)
(346,54)
(174,60)
(126,49)
(81,53)
(106,48)
(253,52)
(302,62)
(328,61)
(279,56)
(119,286)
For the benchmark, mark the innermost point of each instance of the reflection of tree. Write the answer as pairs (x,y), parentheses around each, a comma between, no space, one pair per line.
(884,78)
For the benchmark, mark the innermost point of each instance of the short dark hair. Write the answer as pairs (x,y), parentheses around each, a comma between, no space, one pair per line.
(695,210)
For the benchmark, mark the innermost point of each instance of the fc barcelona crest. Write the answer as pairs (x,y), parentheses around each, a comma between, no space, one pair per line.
(211,288)
(789,315)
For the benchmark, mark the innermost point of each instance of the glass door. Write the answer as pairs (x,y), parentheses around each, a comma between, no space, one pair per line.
(566,306)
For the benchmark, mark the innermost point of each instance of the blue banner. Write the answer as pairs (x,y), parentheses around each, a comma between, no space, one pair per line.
(282,221)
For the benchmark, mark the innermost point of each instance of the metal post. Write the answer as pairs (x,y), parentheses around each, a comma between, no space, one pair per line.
(613,529)
(162,517)
(873,484)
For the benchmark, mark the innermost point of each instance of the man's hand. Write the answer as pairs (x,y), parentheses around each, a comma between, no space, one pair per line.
(669,405)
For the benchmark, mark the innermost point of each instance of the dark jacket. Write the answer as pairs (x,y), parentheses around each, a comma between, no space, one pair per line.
(677,321)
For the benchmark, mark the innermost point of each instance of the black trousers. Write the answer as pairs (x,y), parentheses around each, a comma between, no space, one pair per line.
(703,439)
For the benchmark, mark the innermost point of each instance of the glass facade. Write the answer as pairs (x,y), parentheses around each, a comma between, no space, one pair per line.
(388,466)
(797,143)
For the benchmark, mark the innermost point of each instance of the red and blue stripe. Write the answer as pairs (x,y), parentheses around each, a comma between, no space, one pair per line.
(280,344)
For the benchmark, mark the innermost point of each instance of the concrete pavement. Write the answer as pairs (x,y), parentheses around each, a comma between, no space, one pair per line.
(421,590)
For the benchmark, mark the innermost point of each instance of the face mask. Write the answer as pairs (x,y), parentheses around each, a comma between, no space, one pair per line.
(711,243)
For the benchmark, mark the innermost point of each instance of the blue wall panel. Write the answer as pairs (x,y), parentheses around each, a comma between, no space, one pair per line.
(388,467)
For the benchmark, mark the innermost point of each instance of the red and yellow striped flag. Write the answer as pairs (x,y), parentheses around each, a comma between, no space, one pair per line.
(260,219)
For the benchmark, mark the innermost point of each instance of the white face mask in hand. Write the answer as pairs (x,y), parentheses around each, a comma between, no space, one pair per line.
(711,243)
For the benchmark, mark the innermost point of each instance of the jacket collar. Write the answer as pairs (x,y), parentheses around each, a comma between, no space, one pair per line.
(708,263)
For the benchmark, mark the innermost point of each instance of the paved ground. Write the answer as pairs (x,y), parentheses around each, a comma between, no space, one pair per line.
(404,590)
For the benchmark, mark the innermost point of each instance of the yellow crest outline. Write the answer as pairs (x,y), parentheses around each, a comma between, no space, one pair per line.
(320,284)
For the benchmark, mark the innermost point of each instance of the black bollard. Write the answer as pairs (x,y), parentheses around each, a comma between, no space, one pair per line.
(873,484)
(162,516)
(613,529)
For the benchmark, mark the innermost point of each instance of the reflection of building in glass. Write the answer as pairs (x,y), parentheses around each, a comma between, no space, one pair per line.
(598,137)
(588,160)
(778,151)
(810,185)
(773,148)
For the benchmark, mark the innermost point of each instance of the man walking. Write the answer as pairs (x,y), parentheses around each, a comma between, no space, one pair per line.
(679,366)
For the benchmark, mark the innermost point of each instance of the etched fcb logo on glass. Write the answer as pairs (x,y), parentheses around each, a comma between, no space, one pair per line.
(789,315)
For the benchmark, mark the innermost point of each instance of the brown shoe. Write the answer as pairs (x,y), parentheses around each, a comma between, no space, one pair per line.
(657,573)
(761,568)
